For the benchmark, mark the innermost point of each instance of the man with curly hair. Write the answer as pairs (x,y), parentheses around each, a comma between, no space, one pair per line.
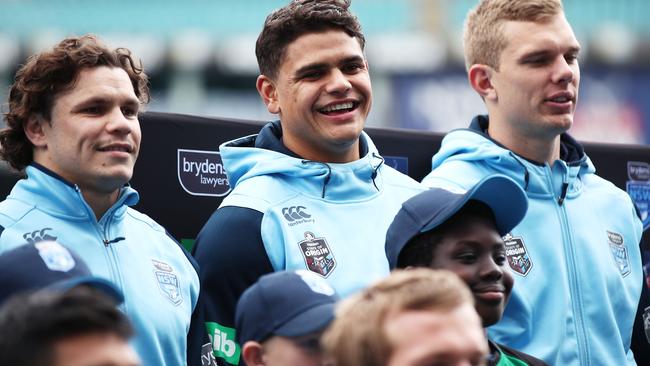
(73,127)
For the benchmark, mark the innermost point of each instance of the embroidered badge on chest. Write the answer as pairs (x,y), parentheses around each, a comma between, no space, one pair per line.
(518,258)
(619,252)
(317,254)
(167,282)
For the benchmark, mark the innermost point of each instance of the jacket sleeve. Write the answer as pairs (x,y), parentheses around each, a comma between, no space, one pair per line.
(231,257)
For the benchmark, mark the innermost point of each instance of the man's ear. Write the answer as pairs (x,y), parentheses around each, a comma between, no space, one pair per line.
(34,130)
(480,79)
(252,353)
(269,93)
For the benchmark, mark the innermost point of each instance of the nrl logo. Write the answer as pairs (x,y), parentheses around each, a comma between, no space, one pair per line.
(518,258)
(167,282)
(318,256)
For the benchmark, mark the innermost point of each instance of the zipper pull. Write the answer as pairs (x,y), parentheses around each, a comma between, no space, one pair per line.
(119,238)
(560,200)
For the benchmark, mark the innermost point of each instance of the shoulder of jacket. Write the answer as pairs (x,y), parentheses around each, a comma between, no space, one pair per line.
(253,193)
(137,217)
(12,211)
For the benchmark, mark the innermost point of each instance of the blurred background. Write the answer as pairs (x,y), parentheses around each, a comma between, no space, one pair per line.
(200,57)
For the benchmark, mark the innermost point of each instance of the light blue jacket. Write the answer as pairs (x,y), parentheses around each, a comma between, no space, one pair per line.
(285,212)
(575,256)
(130,249)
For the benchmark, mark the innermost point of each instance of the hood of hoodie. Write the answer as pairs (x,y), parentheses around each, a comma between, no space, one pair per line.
(264,154)
(473,144)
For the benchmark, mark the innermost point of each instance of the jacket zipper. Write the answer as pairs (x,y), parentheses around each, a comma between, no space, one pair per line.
(569,252)
(103,237)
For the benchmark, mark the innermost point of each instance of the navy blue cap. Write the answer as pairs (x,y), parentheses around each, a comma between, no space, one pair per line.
(48,265)
(287,304)
(431,208)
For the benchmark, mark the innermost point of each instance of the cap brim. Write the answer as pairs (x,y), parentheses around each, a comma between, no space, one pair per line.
(503,196)
(105,286)
(311,321)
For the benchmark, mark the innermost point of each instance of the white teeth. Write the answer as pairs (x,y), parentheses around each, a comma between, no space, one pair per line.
(338,107)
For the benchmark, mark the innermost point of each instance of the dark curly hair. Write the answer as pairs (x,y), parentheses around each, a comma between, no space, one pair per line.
(298,18)
(45,75)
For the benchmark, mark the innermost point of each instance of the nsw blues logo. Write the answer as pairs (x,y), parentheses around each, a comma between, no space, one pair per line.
(619,252)
(167,282)
(517,255)
(638,187)
(317,254)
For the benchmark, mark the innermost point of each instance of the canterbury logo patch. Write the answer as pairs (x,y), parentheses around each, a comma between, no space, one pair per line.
(295,215)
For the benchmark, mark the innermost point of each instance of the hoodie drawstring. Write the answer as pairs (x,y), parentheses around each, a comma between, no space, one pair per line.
(376,169)
(327,177)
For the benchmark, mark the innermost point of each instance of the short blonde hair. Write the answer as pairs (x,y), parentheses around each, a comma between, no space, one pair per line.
(484,40)
(357,337)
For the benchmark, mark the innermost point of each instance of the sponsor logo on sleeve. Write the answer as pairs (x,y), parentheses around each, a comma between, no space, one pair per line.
(518,258)
(167,282)
(223,342)
(619,252)
(201,173)
(317,254)
(638,187)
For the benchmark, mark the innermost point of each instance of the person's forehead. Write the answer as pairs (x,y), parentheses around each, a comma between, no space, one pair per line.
(322,46)
(529,36)
(101,81)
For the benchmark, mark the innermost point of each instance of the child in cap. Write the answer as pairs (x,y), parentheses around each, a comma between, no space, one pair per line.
(48,266)
(281,317)
(462,232)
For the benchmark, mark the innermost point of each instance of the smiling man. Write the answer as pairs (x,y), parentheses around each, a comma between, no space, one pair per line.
(310,191)
(575,255)
(72,125)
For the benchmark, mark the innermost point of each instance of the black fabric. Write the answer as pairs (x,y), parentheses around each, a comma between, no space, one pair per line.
(232,257)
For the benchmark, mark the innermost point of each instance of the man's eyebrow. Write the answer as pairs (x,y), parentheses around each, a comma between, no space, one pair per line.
(311,67)
(355,58)
(544,52)
(103,100)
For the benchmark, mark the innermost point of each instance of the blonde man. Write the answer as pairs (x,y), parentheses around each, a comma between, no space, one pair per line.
(412,317)
(576,253)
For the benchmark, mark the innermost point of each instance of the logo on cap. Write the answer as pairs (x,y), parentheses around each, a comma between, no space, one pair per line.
(619,252)
(315,283)
(167,282)
(318,256)
(517,255)
(55,256)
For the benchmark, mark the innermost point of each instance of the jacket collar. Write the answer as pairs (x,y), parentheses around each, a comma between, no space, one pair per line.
(53,194)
